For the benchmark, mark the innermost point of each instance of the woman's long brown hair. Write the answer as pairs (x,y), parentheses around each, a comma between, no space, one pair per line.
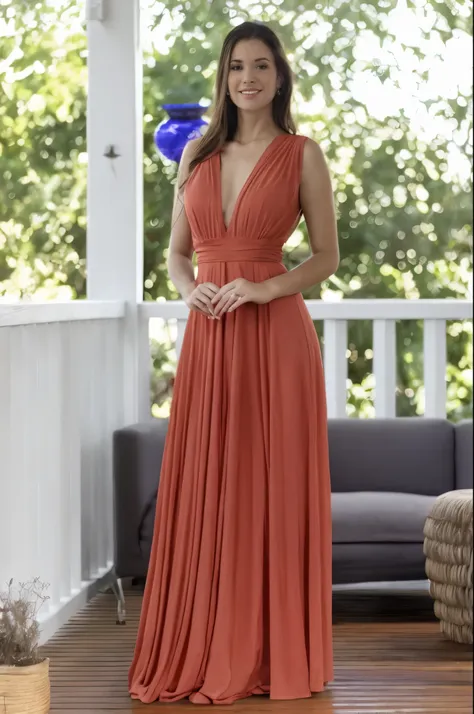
(223,124)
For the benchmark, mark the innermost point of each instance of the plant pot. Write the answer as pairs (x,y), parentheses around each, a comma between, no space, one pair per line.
(25,690)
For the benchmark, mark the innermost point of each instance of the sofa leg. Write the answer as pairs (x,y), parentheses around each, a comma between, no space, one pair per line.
(116,586)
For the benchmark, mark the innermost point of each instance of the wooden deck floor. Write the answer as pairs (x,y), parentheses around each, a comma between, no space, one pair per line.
(389,656)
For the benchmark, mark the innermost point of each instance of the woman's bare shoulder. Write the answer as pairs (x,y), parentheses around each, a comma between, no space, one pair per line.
(313,155)
(189,152)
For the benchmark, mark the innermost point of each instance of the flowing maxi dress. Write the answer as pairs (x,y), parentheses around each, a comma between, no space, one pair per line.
(239,588)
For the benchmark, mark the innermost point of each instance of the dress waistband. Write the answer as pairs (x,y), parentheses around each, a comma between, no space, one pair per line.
(235,251)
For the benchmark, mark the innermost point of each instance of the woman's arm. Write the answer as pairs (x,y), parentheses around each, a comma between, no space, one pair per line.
(317,204)
(180,254)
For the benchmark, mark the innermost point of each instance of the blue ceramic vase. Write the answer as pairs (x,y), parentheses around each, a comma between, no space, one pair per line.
(185,122)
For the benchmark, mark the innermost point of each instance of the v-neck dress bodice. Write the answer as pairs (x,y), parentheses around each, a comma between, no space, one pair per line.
(239,589)
(266,211)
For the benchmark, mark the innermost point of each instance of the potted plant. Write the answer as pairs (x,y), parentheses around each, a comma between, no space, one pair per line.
(24,673)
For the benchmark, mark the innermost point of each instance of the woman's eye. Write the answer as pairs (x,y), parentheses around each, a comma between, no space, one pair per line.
(237,67)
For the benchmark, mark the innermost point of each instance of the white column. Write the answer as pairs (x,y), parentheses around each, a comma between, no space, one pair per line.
(7,466)
(145,365)
(115,177)
(385,367)
(435,368)
(181,329)
(335,367)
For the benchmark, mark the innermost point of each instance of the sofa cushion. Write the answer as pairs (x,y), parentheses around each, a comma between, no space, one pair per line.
(379,517)
(137,454)
(463,437)
(404,454)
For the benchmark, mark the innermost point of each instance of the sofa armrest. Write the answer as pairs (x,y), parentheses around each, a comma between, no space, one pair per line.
(463,454)
(137,457)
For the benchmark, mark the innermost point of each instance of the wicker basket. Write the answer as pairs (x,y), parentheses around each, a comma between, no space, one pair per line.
(25,690)
(448,548)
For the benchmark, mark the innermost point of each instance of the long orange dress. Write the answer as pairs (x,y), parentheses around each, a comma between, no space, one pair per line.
(239,588)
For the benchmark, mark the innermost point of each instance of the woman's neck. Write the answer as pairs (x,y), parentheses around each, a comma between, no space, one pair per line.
(255,128)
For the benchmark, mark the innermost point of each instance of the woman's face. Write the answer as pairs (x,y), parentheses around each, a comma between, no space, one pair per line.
(253,80)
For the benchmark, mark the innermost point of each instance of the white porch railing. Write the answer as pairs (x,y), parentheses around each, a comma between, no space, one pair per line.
(384,315)
(61,397)
(68,374)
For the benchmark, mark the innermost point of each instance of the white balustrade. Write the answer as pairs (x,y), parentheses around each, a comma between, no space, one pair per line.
(61,398)
(385,366)
(383,314)
(67,380)
(434,356)
(335,366)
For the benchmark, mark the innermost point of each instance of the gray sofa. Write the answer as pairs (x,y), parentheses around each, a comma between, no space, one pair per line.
(385,475)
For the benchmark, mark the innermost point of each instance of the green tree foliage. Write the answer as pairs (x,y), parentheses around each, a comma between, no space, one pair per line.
(42,145)
(405,221)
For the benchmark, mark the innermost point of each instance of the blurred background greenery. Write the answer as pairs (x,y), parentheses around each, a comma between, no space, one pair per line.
(385,87)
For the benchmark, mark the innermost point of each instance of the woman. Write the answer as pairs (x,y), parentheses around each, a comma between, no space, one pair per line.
(238,594)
